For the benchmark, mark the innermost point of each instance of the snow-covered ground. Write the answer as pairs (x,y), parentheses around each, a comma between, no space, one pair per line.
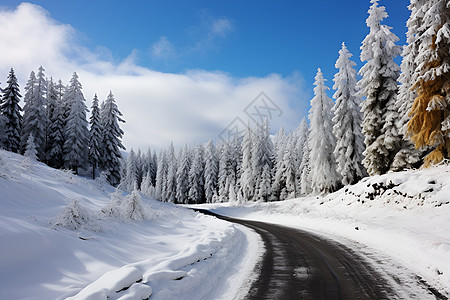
(401,220)
(174,253)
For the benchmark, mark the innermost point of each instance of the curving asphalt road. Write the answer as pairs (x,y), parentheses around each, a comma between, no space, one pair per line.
(300,265)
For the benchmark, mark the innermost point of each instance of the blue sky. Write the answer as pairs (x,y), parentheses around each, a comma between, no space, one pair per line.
(242,39)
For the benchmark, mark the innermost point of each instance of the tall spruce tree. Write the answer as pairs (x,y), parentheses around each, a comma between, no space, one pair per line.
(171,181)
(35,114)
(57,122)
(183,167)
(430,114)
(322,142)
(10,109)
(196,180)
(302,140)
(95,136)
(347,121)
(247,182)
(211,172)
(408,157)
(76,131)
(111,143)
(379,86)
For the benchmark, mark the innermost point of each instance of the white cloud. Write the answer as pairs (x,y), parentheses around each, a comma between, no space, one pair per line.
(163,49)
(221,26)
(158,107)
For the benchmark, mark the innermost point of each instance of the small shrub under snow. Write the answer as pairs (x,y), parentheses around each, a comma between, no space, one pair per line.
(73,216)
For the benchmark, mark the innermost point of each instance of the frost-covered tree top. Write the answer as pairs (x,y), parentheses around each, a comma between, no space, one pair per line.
(322,141)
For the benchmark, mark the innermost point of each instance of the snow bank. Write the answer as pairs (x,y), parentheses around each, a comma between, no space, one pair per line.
(66,236)
(403,217)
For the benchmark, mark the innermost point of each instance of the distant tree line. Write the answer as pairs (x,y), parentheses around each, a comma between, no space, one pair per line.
(53,125)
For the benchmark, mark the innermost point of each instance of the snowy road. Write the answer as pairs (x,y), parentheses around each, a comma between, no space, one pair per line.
(301,265)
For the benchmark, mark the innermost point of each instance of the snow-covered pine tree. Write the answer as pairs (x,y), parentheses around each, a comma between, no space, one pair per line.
(52,99)
(278,184)
(140,167)
(112,135)
(35,114)
(302,140)
(347,121)
(132,206)
(262,155)
(171,181)
(226,173)
(76,131)
(95,136)
(183,167)
(11,109)
(305,170)
(131,172)
(30,150)
(408,157)
(211,172)
(161,176)
(322,141)
(379,86)
(196,176)
(247,182)
(430,113)
(55,133)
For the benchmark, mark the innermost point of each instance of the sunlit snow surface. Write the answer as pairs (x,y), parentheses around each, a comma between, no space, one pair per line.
(173,254)
(399,221)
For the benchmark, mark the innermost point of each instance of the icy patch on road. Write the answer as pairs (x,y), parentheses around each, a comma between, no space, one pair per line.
(301,273)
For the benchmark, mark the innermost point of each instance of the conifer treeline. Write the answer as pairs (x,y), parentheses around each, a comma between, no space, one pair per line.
(54,126)
(393,118)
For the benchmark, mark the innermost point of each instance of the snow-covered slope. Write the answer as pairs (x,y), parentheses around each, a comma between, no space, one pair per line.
(48,253)
(401,218)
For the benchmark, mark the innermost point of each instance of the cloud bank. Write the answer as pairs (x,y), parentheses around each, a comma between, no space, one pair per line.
(159,107)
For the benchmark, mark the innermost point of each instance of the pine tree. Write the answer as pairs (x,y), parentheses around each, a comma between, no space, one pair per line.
(347,121)
(196,175)
(112,135)
(11,109)
(55,141)
(408,157)
(184,165)
(302,140)
(171,180)
(76,131)
(430,113)
(262,154)
(247,185)
(226,173)
(322,141)
(279,184)
(379,86)
(161,177)
(30,150)
(35,115)
(131,172)
(305,170)
(211,172)
(95,136)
